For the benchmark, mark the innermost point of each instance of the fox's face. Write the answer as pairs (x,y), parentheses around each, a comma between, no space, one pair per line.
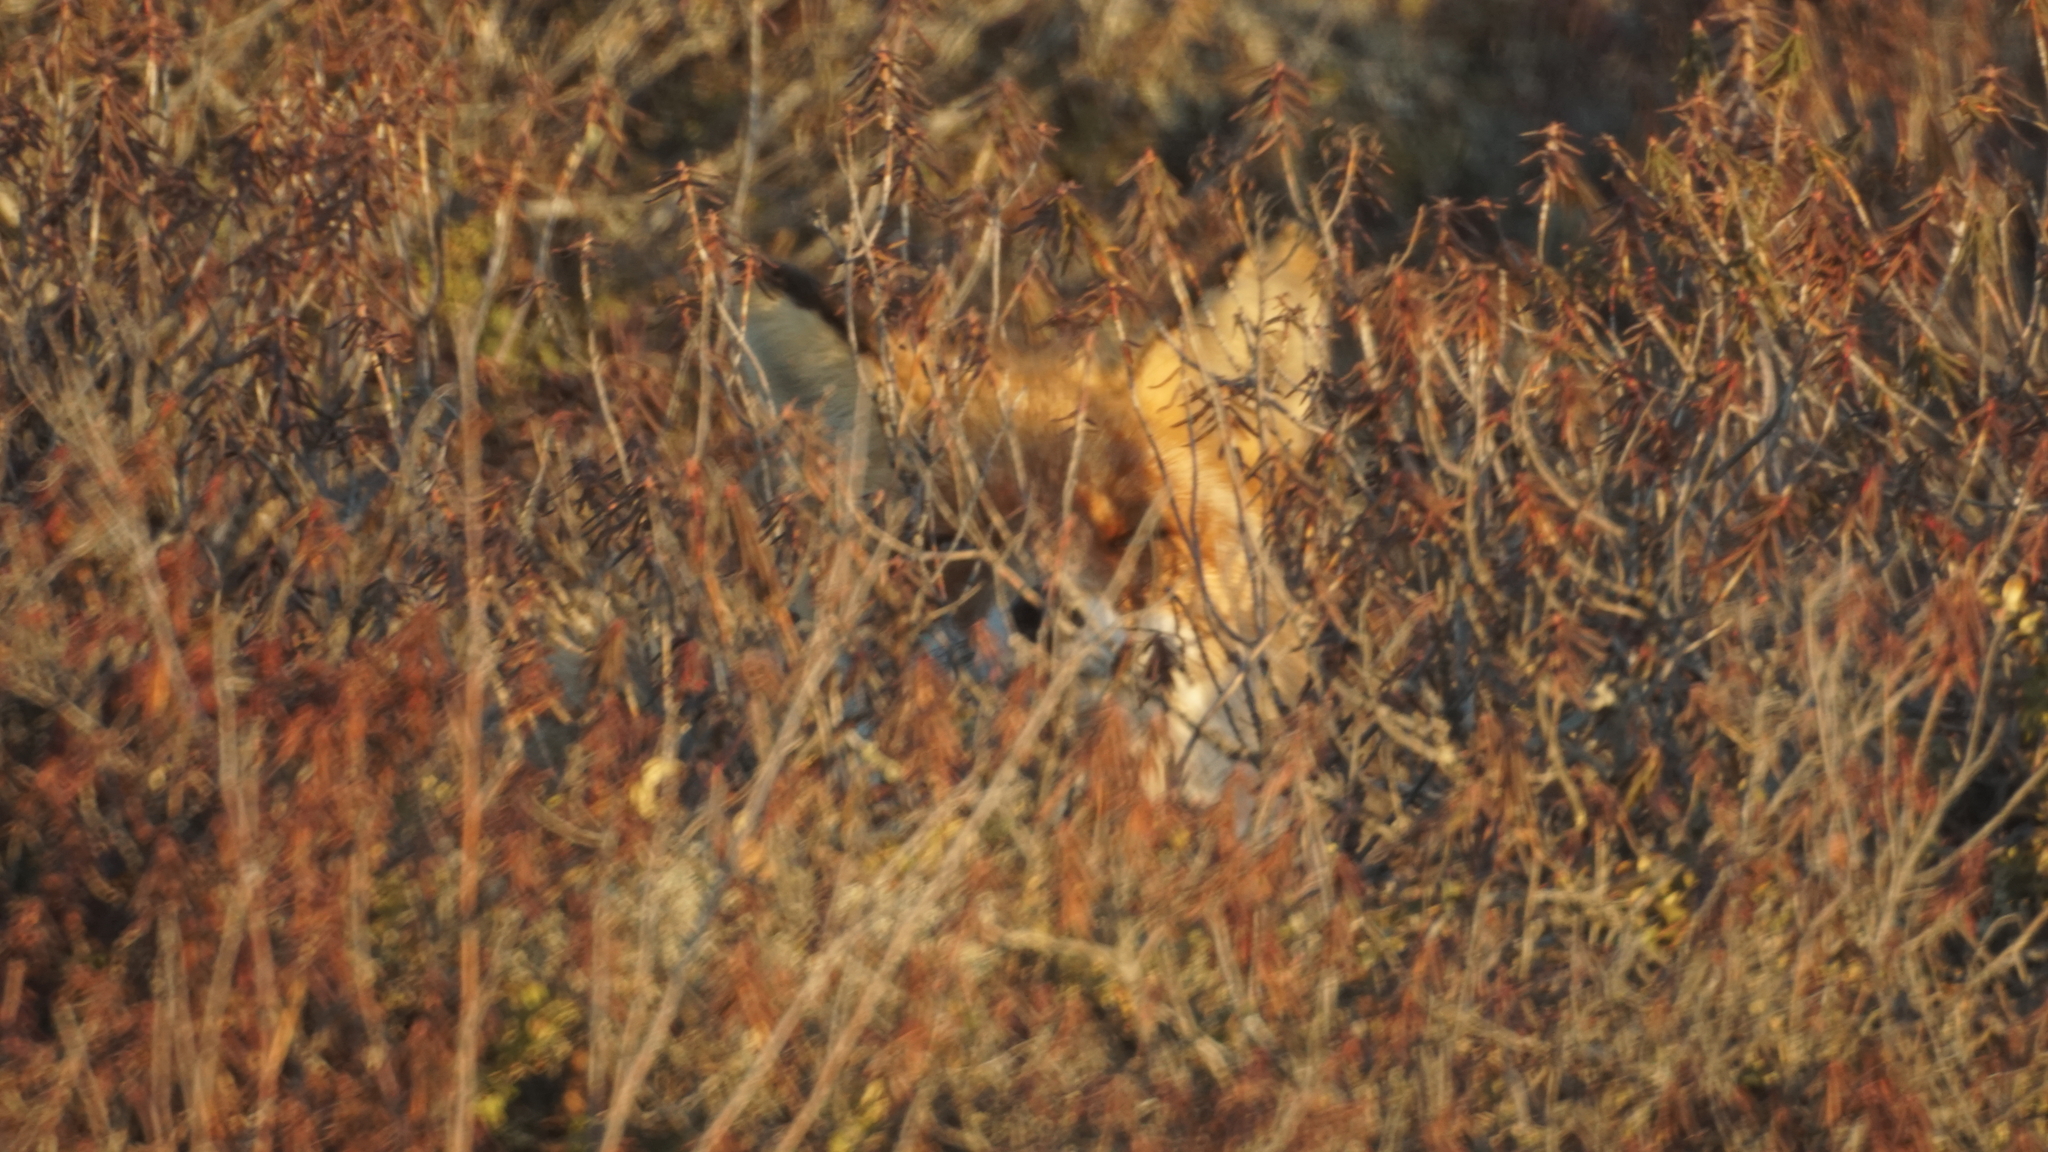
(1151,579)
(1125,504)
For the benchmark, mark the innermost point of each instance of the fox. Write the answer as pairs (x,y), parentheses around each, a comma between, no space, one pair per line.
(1130,498)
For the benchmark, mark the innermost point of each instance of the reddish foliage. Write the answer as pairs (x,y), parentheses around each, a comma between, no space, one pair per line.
(1670,777)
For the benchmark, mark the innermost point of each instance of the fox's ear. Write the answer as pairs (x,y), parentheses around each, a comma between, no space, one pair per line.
(1268,321)
(796,356)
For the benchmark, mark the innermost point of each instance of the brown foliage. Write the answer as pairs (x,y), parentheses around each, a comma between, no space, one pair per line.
(440,703)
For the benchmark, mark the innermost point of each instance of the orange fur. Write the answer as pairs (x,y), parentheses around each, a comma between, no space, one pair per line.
(1135,494)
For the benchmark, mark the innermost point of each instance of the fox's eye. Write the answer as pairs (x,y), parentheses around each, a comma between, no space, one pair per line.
(1119,542)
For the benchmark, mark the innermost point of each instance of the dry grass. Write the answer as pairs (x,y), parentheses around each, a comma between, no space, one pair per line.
(440,706)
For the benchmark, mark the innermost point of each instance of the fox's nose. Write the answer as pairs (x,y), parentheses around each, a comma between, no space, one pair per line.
(1087,621)
(1026,618)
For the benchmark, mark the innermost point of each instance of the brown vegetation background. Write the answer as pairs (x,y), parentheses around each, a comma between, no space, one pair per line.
(440,706)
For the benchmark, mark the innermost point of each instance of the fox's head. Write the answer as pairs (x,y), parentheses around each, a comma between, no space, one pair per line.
(1121,507)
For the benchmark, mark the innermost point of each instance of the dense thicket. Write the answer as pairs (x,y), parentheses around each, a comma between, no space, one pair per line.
(440,704)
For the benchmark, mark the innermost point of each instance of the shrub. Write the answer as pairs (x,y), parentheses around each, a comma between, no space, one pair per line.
(439,702)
